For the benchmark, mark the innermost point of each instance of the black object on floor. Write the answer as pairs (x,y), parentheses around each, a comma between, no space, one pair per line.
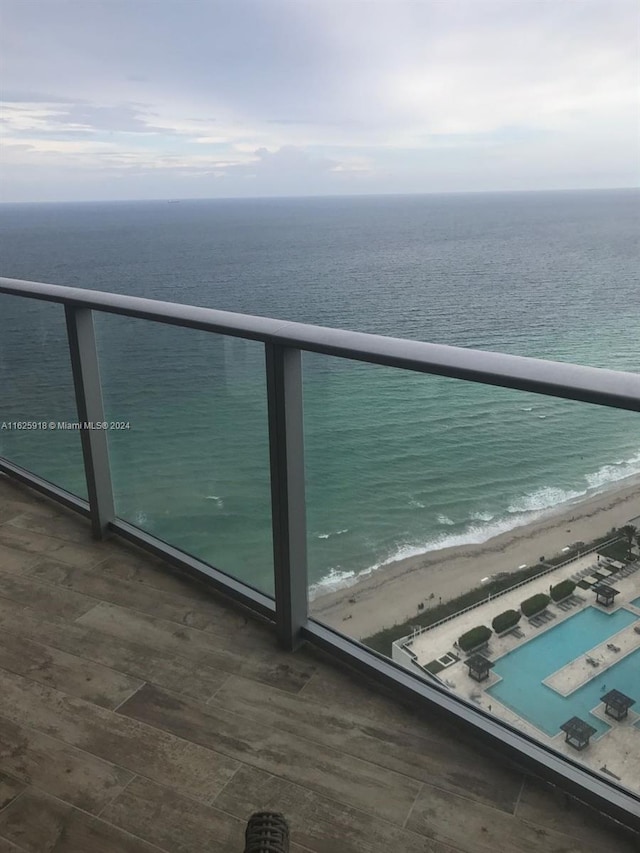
(267,832)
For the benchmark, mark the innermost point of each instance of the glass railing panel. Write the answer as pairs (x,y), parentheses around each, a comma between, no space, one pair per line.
(188,441)
(37,403)
(448,520)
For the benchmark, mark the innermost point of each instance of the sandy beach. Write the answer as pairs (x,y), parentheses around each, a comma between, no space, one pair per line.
(392,593)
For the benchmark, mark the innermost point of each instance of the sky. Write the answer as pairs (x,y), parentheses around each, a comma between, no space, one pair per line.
(156,99)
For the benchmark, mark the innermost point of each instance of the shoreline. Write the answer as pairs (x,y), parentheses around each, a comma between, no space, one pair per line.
(391,594)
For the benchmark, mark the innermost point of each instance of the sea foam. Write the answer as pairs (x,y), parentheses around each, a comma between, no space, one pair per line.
(545,498)
(613,473)
(336,579)
(522,511)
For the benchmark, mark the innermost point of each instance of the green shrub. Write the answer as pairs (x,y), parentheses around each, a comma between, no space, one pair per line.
(474,637)
(506,620)
(533,605)
(562,590)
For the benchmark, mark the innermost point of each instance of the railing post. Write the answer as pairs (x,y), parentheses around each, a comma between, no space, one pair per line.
(86,381)
(286,451)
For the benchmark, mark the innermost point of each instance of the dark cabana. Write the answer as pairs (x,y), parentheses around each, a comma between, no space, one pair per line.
(605,594)
(577,732)
(479,667)
(617,705)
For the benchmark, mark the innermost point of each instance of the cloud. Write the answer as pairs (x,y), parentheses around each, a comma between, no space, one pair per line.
(324,90)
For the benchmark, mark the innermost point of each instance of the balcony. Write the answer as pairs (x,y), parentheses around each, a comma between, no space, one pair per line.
(140,712)
(152,702)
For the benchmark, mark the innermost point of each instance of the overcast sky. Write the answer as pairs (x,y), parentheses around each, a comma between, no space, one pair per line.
(145,99)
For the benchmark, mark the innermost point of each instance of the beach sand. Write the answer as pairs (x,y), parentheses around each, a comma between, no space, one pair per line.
(391,594)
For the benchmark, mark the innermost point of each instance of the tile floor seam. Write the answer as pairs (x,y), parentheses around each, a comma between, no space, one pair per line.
(152,589)
(470,799)
(44,555)
(16,846)
(575,838)
(331,800)
(363,721)
(302,689)
(115,796)
(18,795)
(98,601)
(63,623)
(415,800)
(9,520)
(211,802)
(94,818)
(16,573)
(49,535)
(405,728)
(80,615)
(120,704)
(520,792)
(318,743)
(70,746)
(133,609)
(112,669)
(315,743)
(142,581)
(69,620)
(146,725)
(218,689)
(57,557)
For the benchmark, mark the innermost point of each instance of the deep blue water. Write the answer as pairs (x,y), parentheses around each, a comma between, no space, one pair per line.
(396,463)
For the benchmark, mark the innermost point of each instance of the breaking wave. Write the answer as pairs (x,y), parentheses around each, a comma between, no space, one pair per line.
(486,525)
(218,500)
(333,533)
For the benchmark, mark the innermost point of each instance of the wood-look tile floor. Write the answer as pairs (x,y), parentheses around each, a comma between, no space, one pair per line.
(140,713)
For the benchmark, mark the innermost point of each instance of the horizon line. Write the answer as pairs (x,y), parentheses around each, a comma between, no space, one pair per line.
(174,199)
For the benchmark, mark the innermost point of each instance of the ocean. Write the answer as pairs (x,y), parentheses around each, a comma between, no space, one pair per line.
(397,463)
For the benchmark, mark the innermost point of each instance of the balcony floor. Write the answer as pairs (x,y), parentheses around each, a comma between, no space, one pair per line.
(140,713)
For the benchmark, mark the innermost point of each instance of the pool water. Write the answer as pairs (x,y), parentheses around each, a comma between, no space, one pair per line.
(524,669)
(636,602)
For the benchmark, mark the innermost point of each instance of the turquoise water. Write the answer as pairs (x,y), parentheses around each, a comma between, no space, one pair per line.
(524,669)
(397,463)
(636,602)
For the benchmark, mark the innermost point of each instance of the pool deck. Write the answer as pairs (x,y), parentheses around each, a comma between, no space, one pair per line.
(619,748)
(142,713)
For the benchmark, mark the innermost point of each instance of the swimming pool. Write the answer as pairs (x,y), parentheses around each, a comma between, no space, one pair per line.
(524,669)
(636,602)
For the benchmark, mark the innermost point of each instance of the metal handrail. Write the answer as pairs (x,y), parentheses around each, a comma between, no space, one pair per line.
(617,389)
